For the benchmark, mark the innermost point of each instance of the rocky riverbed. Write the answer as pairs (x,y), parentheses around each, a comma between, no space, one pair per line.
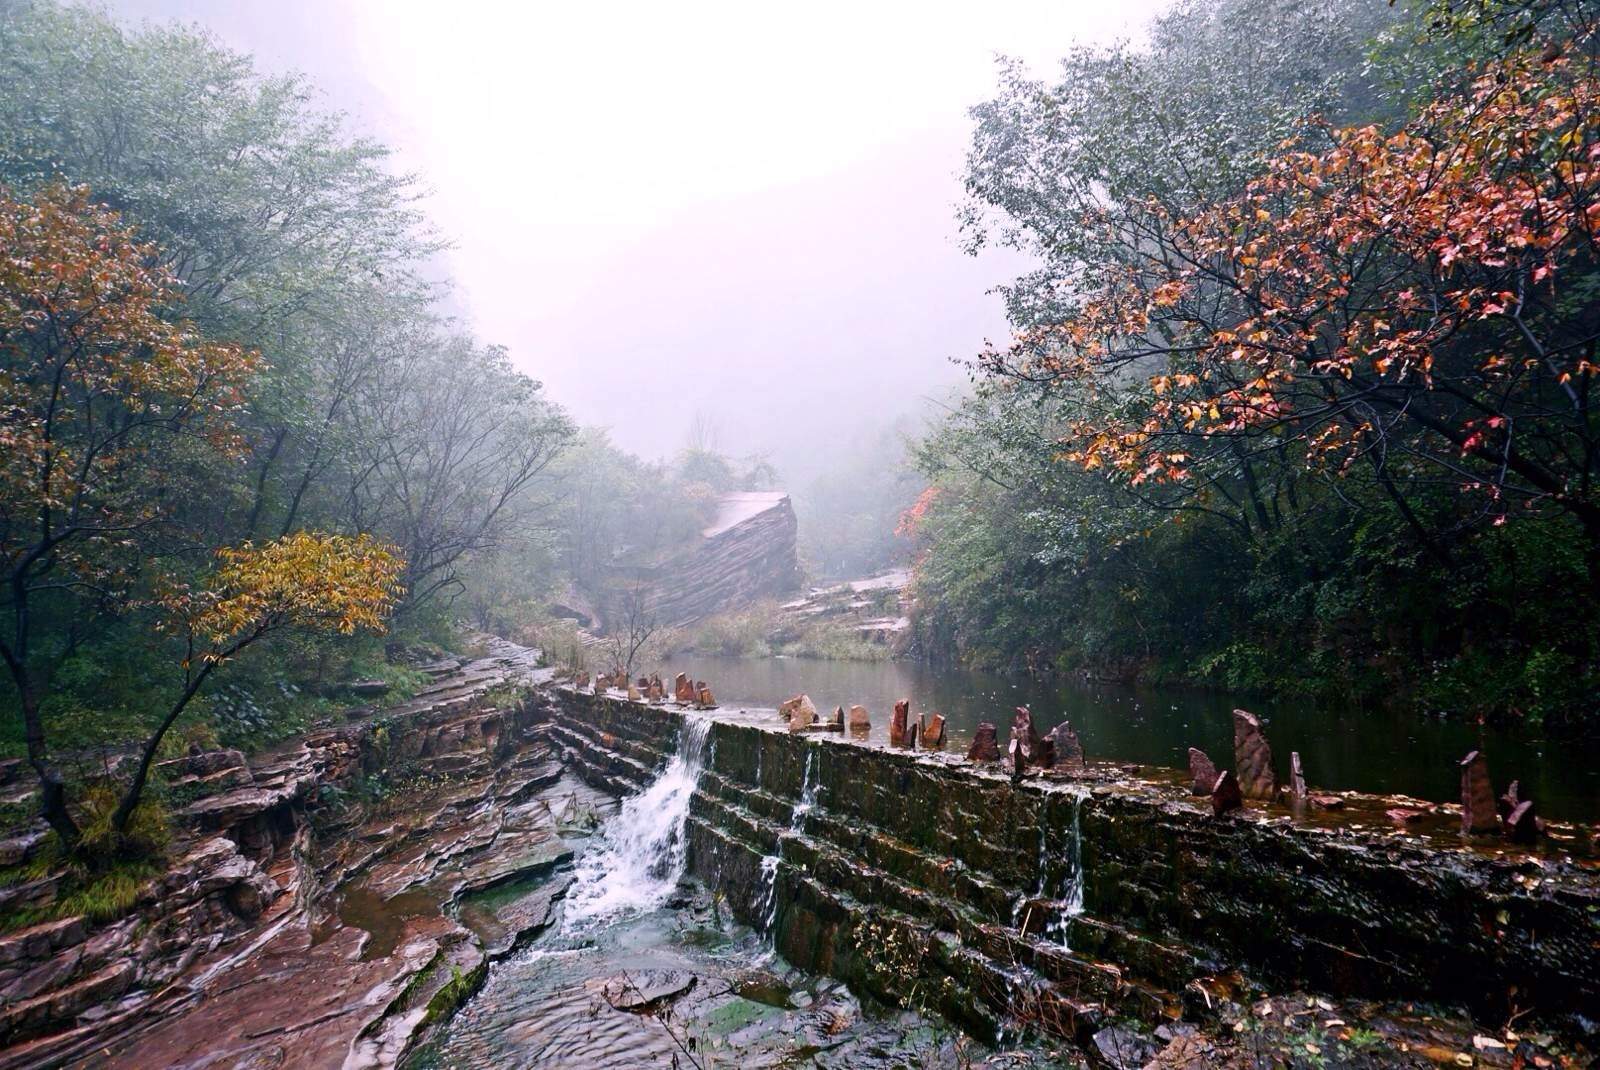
(551,877)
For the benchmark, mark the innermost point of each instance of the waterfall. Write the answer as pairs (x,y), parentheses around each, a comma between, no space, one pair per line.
(1070,886)
(637,858)
(1073,896)
(797,823)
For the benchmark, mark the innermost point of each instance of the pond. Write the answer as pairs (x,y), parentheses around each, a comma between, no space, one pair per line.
(1341,750)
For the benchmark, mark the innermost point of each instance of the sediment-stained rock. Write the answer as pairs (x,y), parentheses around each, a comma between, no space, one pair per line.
(985,744)
(933,736)
(1226,795)
(898,732)
(1479,814)
(1202,773)
(1252,758)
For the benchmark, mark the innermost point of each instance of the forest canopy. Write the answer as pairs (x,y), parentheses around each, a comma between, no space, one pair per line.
(1300,397)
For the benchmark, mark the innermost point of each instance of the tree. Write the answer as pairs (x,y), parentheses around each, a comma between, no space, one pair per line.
(315,582)
(109,411)
(446,447)
(103,400)
(632,622)
(1424,301)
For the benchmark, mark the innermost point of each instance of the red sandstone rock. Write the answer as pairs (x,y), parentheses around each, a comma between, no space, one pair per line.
(1225,795)
(1522,825)
(1202,772)
(1402,815)
(933,735)
(897,723)
(1066,747)
(703,695)
(682,688)
(1252,758)
(1328,802)
(1025,745)
(860,721)
(802,714)
(985,745)
(1478,812)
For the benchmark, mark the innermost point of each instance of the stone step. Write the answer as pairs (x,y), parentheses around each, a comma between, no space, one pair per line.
(862,890)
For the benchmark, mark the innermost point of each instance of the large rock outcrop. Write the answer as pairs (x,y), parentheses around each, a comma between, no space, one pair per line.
(746,554)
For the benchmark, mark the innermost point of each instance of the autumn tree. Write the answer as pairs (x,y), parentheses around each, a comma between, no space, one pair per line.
(1420,303)
(336,584)
(111,410)
(102,400)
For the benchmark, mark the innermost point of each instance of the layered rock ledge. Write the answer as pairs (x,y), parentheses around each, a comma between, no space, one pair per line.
(319,907)
(1065,902)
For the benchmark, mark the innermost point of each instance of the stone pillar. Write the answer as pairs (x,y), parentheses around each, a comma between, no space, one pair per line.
(1202,772)
(1297,778)
(985,744)
(1252,758)
(860,721)
(1025,745)
(1225,795)
(897,723)
(1478,813)
(1067,747)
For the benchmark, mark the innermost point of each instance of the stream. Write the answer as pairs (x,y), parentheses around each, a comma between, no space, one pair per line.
(642,967)
(1342,750)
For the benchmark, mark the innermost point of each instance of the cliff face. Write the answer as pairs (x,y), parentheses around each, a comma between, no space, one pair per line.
(746,553)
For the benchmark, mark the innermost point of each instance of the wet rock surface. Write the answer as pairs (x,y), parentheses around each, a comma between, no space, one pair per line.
(294,926)
(1056,910)
(973,873)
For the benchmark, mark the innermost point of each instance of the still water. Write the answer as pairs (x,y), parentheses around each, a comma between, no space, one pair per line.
(1341,750)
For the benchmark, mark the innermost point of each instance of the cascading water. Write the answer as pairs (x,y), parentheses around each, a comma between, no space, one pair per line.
(637,859)
(1070,899)
(1073,896)
(797,823)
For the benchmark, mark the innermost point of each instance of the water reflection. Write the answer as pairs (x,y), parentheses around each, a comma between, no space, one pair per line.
(1351,749)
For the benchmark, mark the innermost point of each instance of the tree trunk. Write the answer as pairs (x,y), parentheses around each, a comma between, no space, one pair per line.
(52,791)
(135,790)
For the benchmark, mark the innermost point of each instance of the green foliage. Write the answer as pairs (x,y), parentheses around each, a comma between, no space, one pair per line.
(293,238)
(1383,584)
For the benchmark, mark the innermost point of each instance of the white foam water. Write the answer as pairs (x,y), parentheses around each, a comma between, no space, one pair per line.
(797,824)
(637,858)
(1070,886)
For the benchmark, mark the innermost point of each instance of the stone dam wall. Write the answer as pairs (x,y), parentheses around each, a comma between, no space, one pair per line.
(1062,903)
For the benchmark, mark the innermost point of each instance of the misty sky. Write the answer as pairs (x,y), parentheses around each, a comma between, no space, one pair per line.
(664,209)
